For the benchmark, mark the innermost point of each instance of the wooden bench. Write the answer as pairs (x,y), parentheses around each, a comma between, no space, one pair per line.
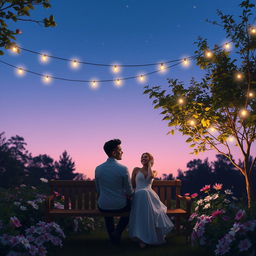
(80,199)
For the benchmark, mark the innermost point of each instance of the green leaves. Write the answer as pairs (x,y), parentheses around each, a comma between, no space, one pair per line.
(16,11)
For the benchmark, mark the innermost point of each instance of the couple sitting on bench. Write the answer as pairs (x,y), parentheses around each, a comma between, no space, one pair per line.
(148,221)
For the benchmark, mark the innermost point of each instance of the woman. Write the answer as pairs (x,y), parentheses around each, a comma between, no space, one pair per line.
(149,223)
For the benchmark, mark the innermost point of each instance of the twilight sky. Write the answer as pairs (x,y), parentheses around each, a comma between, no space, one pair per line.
(71,116)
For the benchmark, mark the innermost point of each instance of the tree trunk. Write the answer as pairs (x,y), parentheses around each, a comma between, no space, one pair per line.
(248,184)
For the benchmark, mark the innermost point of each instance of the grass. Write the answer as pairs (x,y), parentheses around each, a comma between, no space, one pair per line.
(97,244)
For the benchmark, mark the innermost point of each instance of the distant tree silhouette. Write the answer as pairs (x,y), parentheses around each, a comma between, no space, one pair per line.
(198,174)
(167,176)
(65,167)
(41,166)
(12,161)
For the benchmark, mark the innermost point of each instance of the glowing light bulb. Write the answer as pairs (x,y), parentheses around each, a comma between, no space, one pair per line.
(185,62)
(15,49)
(118,82)
(239,76)
(251,94)
(212,129)
(244,113)
(253,30)
(192,122)
(116,68)
(231,138)
(20,71)
(74,63)
(208,54)
(94,84)
(44,58)
(162,67)
(227,46)
(141,78)
(46,79)
(181,101)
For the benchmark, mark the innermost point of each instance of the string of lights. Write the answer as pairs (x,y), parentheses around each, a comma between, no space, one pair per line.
(47,78)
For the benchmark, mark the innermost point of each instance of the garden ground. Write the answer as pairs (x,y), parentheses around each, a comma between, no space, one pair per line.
(97,244)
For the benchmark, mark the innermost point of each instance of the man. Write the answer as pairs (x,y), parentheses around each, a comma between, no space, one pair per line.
(114,189)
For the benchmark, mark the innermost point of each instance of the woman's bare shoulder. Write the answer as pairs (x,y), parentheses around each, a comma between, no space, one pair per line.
(136,169)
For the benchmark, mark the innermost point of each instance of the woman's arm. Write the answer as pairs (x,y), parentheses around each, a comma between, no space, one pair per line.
(134,173)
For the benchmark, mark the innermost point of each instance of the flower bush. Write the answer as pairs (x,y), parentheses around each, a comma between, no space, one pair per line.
(23,229)
(220,223)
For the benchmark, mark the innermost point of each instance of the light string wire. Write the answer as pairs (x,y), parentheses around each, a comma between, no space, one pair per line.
(102,64)
(89,81)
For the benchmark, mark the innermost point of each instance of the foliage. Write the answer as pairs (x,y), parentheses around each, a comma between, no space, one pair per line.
(16,11)
(65,167)
(221,224)
(221,107)
(23,230)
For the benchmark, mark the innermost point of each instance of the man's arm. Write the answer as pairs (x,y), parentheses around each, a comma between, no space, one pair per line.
(97,183)
(127,183)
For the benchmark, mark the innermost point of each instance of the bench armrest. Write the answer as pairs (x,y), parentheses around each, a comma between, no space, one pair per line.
(49,202)
(187,200)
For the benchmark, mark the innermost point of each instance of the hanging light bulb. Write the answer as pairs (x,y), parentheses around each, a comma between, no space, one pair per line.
(244,113)
(74,63)
(44,58)
(181,101)
(185,62)
(20,71)
(212,129)
(15,48)
(251,94)
(208,54)
(227,46)
(118,82)
(192,122)
(94,84)
(141,78)
(46,79)
(231,139)
(253,30)
(115,68)
(162,67)
(239,76)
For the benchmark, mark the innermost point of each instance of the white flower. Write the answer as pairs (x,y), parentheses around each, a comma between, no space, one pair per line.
(33,187)
(22,185)
(23,208)
(227,201)
(208,198)
(207,206)
(44,180)
(215,196)
(196,209)
(200,202)
(17,203)
(228,192)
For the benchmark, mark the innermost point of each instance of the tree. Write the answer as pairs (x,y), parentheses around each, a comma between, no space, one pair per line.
(16,11)
(222,106)
(41,166)
(65,167)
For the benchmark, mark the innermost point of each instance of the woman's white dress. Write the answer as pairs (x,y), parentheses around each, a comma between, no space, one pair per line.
(148,220)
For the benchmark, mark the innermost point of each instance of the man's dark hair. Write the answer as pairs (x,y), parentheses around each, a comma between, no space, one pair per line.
(110,146)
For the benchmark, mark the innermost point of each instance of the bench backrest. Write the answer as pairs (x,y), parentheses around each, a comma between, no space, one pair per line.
(82,194)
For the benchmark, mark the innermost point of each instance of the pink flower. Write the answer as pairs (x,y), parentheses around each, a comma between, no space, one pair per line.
(187,194)
(194,195)
(217,186)
(240,214)
(15,222)
(244,245)
(205,188)
(56,193)
(216,213)
(192,216)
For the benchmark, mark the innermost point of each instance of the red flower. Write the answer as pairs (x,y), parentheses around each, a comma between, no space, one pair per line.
(216,213)
(217,186)
(205,188)
(194,195)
